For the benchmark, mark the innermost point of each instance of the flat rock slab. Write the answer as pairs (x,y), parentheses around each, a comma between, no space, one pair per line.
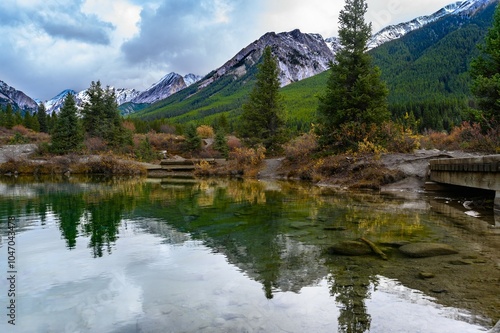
(350,248)
(424,250)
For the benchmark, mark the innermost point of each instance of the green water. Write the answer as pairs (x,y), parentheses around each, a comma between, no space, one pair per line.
(136,255)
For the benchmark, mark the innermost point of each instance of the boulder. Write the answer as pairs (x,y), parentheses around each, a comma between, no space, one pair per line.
(424,250)
(350,248)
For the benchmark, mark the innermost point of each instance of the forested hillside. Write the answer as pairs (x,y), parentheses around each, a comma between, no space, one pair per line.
(427,71)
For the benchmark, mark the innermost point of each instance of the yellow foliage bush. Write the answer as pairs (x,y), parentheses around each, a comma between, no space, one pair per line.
(245,161)
(205,131)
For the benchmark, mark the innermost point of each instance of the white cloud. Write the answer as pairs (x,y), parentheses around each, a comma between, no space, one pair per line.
(314,16)
(123,15)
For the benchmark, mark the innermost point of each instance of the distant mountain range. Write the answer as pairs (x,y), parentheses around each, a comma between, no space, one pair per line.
(300,56)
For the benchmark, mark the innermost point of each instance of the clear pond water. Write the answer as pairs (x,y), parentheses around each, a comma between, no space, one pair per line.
(136,255)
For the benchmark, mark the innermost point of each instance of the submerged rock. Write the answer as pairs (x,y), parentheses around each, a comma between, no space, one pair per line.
(426,275)
(350,248)
(424,250)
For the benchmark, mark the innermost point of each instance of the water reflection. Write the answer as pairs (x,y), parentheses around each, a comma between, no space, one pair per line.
(274,233)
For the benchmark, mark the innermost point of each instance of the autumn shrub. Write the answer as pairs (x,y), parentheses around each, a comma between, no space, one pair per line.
(129,125)
(233,142)
(438,140)
(205,131)
(95,145)
(368,147)
(163,141)
(246,161)
(21,130)
(110,165)
(472,137)
(204,168)
(396,138)
(301,147)
(168,129)
(467,136)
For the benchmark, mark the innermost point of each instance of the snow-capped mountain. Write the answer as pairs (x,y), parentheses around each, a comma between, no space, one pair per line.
(392,32)
(299,56)
(168,85)
(17,99)
(56,102)
(125,95)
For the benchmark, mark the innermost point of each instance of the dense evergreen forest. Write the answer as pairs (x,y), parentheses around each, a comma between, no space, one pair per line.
(427,71)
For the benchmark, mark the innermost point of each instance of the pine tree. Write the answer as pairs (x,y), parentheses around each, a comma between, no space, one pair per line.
(262,119)
(485,72)
(9,117)
(31,121)
(220,142)
(93,111)
(68,135)
(2,116)
(193,140)
(42,118)
(355,97)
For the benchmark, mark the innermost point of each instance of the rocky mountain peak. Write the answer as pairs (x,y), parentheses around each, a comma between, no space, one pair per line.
(168,85)
(16,98)
(300,55)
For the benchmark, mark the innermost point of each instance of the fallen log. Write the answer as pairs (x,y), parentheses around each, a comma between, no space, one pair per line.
(374,248)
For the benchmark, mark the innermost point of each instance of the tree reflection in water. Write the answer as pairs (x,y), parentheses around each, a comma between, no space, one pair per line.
(273,234)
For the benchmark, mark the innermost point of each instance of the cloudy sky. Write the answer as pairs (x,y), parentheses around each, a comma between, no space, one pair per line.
(51,45)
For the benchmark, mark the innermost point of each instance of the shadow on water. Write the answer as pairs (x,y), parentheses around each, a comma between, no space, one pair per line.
(277,232)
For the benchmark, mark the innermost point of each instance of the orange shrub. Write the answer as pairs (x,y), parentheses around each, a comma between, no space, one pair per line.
(205,131)
(245,161)
(127,124)
(21,130)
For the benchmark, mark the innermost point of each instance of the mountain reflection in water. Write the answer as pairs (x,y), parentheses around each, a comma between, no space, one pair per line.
(186,256)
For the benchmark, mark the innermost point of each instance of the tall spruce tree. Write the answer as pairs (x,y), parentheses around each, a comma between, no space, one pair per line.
(68,135)
(93,111)
(485,72)
(42,118)
(355,98)
(9,117)
(262,119)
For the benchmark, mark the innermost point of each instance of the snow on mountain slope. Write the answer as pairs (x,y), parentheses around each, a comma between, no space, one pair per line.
(168,85)
(16,98)
(399,30)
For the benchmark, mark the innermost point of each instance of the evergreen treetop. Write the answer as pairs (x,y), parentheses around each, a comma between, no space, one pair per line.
(68,135)
(262,119)
(355,97)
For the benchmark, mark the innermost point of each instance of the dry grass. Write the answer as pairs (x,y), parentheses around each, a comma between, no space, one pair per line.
(21,134)
(74,164)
